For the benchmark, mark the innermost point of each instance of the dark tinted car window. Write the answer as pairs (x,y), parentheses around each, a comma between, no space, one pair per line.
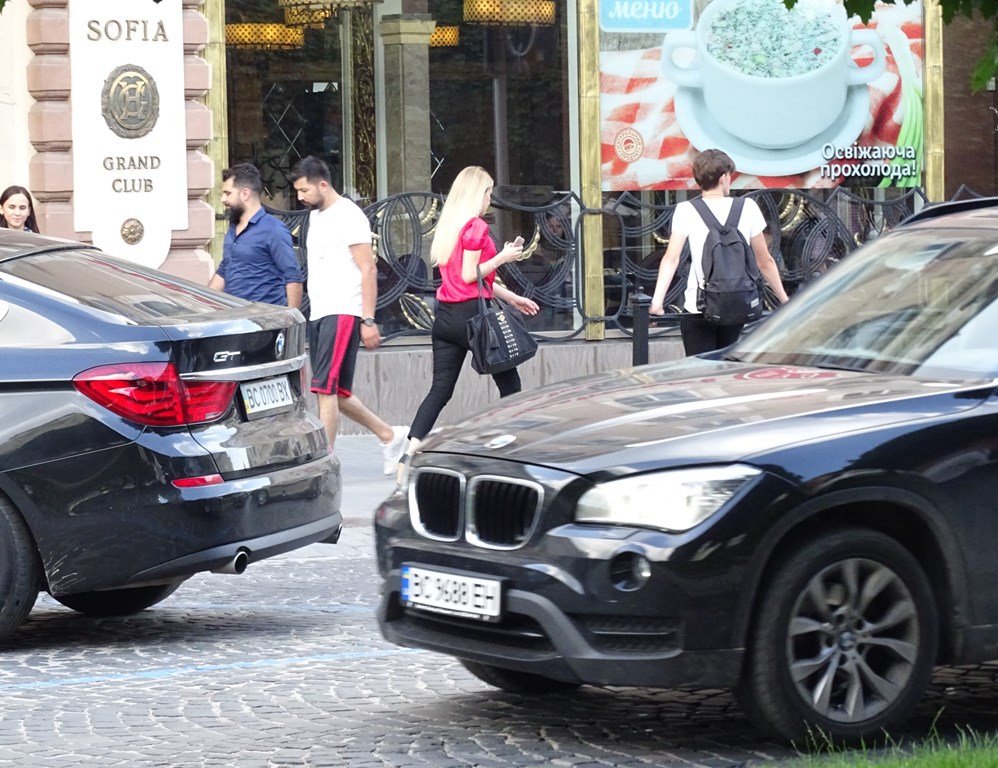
(113,285)
(919,302)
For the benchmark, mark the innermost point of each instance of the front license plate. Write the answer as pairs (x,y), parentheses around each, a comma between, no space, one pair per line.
(265,397)
(471,596)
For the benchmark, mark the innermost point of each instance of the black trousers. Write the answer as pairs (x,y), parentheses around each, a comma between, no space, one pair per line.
(450,347)
(701,336)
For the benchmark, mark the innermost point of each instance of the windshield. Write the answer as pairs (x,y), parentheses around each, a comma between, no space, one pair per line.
(917,302)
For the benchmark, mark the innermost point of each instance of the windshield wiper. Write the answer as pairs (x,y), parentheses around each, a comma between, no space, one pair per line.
(840,367)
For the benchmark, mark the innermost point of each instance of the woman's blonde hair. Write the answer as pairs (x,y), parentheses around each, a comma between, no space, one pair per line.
(464,202)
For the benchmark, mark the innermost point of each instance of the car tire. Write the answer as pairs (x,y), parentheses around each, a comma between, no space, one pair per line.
(117,602)
(20,569)
(514,681)
(844,641)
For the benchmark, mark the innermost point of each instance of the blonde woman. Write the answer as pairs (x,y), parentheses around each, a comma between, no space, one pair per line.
(461,242)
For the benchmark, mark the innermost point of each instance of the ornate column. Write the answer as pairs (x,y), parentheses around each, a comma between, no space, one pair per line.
(406,39)
(359,47)
(589,162)
(188,257)
(934,150)
(50,170)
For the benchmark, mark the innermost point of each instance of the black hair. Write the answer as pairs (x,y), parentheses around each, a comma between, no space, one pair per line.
(30,223)
(311,169)
(244,175)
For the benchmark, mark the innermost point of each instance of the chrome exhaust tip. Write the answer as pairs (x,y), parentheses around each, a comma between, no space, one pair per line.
(236,565)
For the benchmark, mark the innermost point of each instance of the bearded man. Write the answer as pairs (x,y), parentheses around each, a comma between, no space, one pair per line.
(258,257)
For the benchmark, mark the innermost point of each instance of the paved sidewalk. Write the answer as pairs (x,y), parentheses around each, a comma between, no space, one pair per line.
(364,484)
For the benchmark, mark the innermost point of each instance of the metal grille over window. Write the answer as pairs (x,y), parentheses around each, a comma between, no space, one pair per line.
(503,513)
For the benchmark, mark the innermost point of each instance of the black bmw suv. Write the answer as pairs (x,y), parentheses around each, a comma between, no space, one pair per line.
(150,429)
(807,517)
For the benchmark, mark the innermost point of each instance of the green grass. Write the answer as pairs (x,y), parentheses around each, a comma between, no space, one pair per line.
(969,749)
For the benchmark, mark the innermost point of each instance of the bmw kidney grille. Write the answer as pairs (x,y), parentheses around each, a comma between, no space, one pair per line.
(488,511)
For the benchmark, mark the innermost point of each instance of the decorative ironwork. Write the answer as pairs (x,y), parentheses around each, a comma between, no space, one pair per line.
(308,15)
(809,231)
(285,126)
(332,6)
(364,131)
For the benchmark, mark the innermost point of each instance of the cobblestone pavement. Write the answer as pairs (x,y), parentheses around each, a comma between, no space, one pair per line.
(284,666)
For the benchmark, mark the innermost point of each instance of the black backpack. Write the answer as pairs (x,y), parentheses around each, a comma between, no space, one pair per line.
(732,292)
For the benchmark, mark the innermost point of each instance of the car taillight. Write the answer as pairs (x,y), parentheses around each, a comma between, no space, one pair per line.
(201,481)
(154,394)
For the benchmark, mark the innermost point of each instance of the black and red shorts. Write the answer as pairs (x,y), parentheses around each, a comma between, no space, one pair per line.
(333,342)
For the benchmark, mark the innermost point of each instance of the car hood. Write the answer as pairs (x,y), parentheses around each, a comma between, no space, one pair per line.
(696,411)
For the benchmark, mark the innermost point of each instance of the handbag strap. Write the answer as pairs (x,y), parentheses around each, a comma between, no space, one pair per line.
(482,306)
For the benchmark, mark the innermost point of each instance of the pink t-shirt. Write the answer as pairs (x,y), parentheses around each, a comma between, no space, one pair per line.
(474,237)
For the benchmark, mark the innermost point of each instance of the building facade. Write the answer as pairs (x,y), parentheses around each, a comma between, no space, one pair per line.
(569,104)
(397,96)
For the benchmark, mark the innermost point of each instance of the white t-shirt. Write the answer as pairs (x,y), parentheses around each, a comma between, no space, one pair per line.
(686,221)
(333,275)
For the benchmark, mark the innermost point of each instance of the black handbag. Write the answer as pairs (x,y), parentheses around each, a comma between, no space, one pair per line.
(498,339)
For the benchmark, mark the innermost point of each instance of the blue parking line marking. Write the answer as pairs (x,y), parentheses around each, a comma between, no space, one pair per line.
(155,674)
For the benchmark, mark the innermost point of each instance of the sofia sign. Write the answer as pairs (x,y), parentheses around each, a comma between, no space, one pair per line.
(129,145)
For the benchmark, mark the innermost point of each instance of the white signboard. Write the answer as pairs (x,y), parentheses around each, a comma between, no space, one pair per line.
(129,131)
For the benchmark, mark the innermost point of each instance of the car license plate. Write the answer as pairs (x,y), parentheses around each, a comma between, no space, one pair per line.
(456,594)
(266,397)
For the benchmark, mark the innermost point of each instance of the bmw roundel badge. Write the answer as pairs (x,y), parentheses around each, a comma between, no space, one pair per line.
(279,346)
(501,441)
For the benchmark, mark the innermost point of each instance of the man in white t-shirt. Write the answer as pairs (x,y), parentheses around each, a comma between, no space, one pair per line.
(712,170)
(343,290)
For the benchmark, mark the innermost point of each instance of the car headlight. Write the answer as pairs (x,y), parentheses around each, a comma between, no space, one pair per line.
(674,500)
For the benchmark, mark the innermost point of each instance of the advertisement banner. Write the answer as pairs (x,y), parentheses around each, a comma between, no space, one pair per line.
(804,98)
(129,125)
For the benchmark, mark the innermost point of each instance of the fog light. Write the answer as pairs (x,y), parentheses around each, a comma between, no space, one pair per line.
(629,571)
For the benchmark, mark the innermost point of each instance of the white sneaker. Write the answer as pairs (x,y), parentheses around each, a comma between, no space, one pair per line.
(393,449)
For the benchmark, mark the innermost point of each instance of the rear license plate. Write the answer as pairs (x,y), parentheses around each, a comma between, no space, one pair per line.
(262,398)
(455,594)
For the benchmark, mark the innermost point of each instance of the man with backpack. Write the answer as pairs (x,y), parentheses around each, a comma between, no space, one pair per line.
(729,259)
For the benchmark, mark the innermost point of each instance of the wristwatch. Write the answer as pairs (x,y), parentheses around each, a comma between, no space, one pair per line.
(368,321)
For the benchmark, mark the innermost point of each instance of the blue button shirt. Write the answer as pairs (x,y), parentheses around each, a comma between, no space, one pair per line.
(260,261)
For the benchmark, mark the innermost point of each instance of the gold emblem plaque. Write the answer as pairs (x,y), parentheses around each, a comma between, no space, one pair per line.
(130,101)
(132,231)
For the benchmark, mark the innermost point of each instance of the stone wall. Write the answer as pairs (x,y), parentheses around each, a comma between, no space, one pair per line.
(971,121)
(393,380)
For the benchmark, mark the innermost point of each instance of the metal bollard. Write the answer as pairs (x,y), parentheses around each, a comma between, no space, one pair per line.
(640,304)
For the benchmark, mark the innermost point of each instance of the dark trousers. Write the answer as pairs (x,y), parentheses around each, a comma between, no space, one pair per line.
(450,347)
(701,336)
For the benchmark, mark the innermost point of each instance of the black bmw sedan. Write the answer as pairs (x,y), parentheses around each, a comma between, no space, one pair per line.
(808,517)
(150,429)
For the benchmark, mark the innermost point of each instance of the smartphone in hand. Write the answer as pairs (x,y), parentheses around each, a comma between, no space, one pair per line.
(518,241)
